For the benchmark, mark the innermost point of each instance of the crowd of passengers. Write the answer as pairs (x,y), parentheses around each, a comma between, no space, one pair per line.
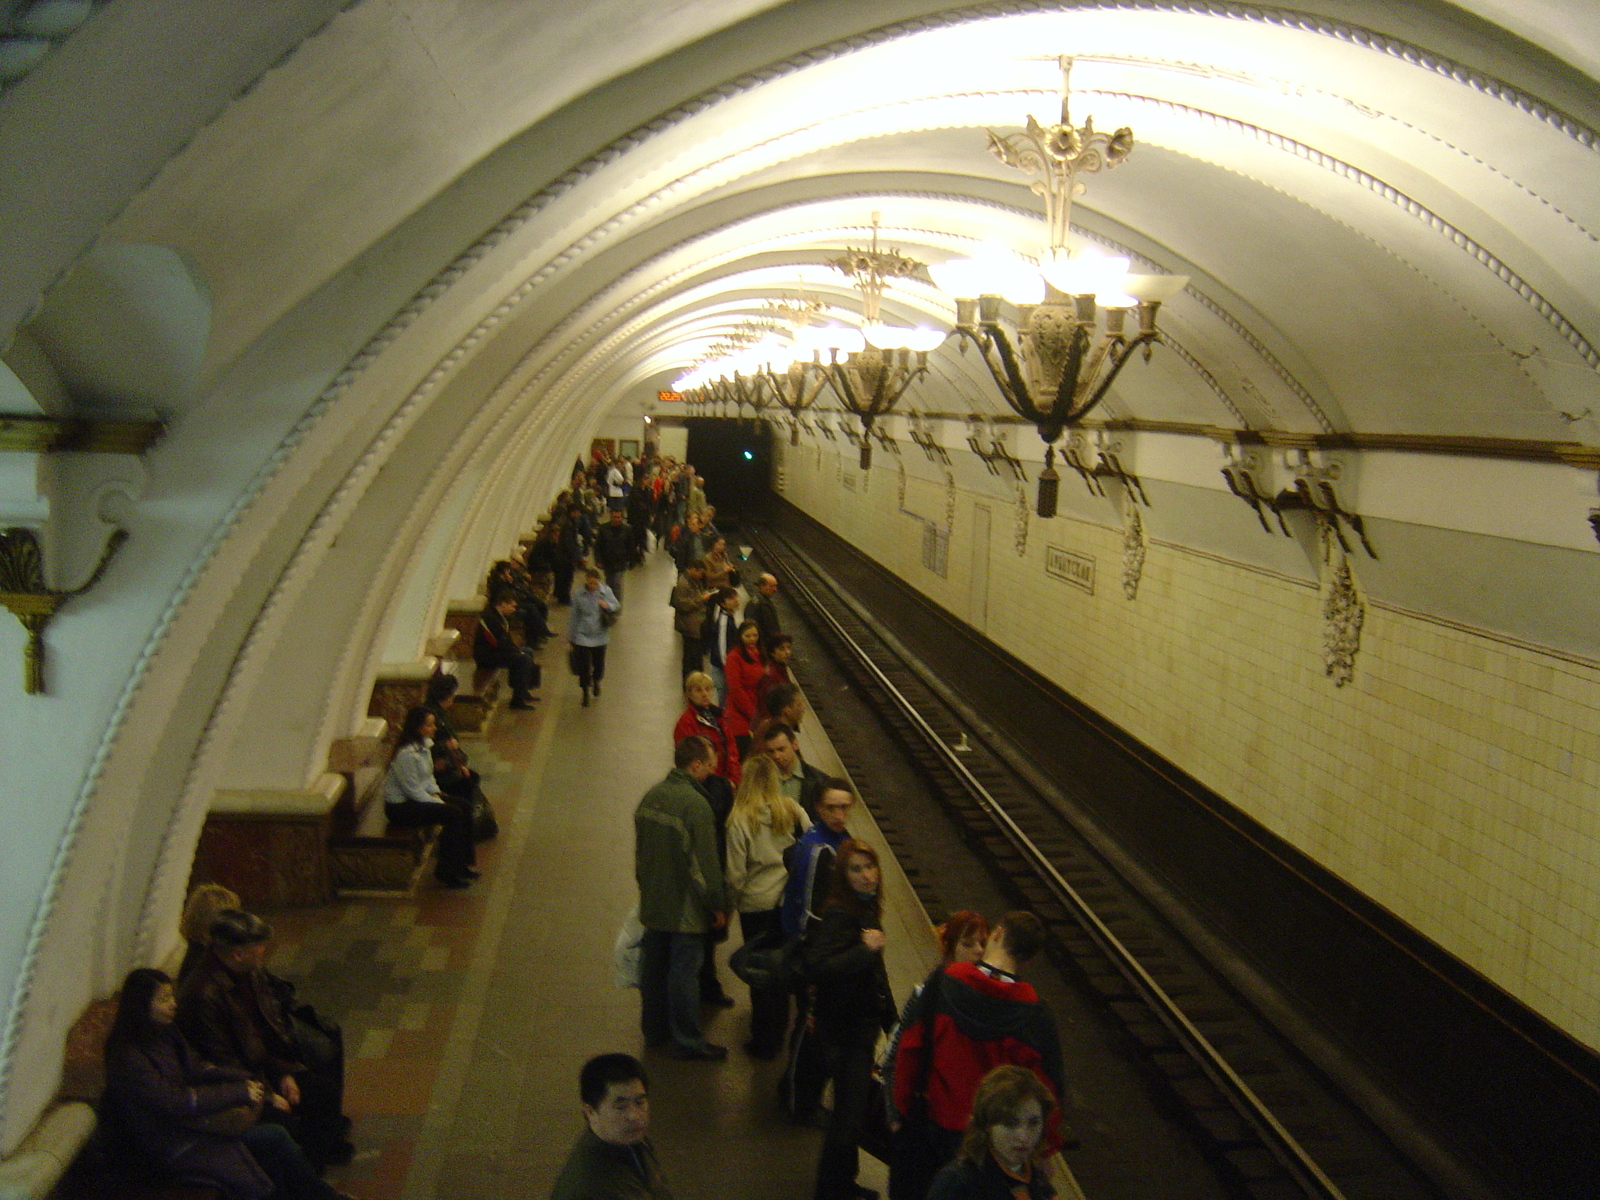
(225,1078)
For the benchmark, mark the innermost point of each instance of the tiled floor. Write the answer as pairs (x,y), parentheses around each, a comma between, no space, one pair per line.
(467,1014)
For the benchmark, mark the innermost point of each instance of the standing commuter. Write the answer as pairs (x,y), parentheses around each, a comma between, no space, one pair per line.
(998,1159)
(594,607)
(811,861)
(763,825)
(613,549)
(722,635)
(852,1005)
(681,899)
(612,1158)
(763,610)
(743,669)
(779,651)
(973,1018)
(689,598)
(798,779)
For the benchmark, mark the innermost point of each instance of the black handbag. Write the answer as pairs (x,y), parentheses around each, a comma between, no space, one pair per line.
(484,824)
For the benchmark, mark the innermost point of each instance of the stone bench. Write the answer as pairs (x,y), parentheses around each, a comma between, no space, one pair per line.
(270,844)
(60,1159)
(368,857)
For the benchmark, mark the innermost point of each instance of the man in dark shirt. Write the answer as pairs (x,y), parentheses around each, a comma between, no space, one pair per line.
(612,1159)
(762,610)
(492,648)
(613,550)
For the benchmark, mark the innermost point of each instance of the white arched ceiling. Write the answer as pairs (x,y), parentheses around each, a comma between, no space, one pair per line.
(439,243)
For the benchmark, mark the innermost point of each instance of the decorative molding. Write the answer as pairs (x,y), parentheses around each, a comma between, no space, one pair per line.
(1024,514)
(1133,548)
(1343,612)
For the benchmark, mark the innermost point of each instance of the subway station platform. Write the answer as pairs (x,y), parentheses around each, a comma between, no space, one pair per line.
(468,1014)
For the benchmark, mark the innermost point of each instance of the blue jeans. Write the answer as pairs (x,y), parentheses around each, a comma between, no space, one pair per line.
(719,679)
(669,987)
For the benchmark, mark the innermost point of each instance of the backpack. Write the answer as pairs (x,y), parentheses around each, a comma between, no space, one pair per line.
(770,962)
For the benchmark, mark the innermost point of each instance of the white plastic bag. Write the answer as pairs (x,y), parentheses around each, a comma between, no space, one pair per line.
(629,950)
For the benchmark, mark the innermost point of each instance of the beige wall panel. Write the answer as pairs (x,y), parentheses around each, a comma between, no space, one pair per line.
(1453,780)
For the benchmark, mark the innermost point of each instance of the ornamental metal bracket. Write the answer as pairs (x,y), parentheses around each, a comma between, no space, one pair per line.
(1312,490)
(1241,475)
(23,592)
(1106,464)
(922,434)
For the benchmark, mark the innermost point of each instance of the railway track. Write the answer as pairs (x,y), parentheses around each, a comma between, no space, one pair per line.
(1274,1126)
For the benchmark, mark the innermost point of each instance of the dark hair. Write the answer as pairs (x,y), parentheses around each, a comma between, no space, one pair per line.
(836,783)
(695,564)
(774,730)
(132,1025)
(500,595)
(840,893)
(724,594)
(691,750)
(959,925)
(779,639)
(779,697)
(998,1101)
(233,927)
(1024,935)
(411,727)
(442,686)
(592,573)
(601,1071)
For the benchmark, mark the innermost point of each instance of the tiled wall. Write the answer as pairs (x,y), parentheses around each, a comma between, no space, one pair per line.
(1454,780)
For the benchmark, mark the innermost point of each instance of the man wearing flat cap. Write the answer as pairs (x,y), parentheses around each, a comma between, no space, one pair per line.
(230,1012)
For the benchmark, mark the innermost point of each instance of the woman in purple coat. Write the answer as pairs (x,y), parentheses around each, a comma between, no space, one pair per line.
(164,1102)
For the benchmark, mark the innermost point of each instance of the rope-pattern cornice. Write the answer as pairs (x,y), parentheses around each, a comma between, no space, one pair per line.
(442,282)
(1394,196)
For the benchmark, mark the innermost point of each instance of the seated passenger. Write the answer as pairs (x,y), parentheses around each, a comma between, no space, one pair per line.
(412,799)
(998,1152)
(205,901)
(230,1013)
(452,772)
(492,648)
(613,1158)
(190,1120)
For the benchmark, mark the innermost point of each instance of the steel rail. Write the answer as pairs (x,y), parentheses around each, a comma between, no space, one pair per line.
(1278,1140)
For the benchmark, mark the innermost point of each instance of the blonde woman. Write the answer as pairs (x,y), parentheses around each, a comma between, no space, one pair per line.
(763,824)
(205,902)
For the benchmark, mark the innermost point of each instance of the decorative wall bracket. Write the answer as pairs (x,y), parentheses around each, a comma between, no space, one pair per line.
(987,442)
(1312,489)
(23,592)
(1101,460)
(1309,488)
(922,434)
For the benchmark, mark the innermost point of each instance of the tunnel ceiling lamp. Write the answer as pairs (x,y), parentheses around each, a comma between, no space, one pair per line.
(1064,359)
(870,369)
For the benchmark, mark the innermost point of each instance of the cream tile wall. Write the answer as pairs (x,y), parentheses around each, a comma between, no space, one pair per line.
(1454,780)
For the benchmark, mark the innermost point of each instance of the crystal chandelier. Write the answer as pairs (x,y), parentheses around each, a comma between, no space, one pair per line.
(1064,359)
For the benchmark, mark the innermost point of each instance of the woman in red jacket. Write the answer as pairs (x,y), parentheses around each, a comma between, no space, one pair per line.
(743,668)
(702,718)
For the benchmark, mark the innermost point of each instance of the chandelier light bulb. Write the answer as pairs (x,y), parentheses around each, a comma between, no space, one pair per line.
(1156,288)
(1086,273)
(924,338)
(886,337)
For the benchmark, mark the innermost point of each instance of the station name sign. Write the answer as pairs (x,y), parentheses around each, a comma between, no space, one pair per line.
(1069,567)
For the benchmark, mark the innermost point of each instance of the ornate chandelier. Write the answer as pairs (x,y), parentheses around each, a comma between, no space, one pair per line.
(877,366)
(1064,360)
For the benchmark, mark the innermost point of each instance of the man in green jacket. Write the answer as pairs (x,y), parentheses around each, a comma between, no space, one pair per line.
(680,899)
(612,1158)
